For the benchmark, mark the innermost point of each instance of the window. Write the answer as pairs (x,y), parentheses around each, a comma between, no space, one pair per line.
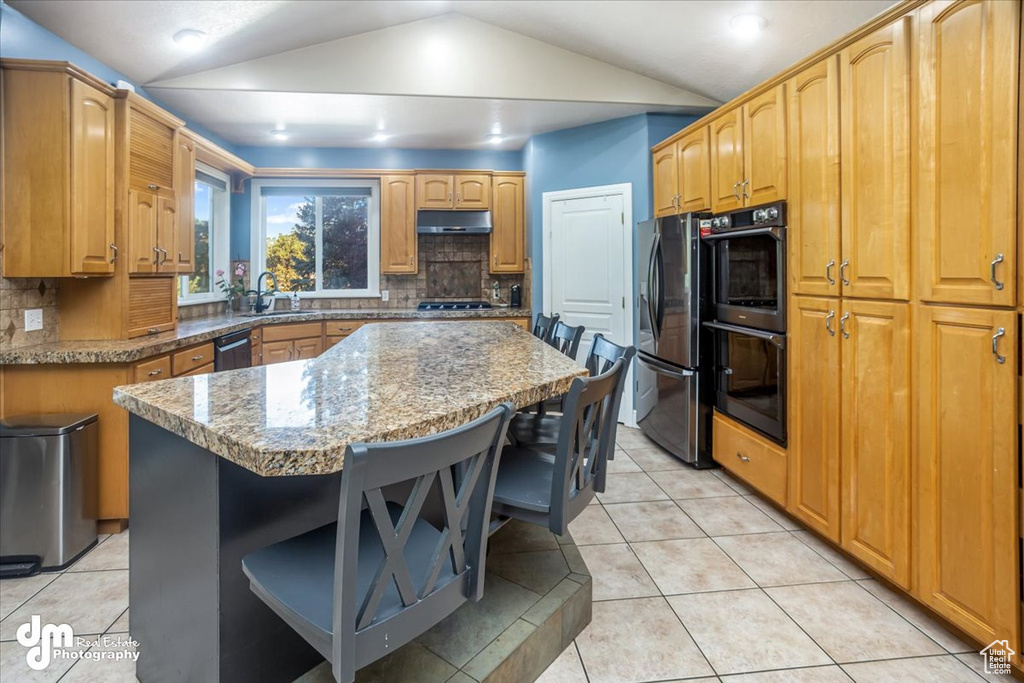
(318,238)
(212,234)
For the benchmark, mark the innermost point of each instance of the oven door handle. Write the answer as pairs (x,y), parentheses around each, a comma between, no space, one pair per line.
(774,231)
(777,340)
(662,368)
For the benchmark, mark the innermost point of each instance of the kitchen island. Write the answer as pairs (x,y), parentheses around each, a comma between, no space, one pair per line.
(227,463)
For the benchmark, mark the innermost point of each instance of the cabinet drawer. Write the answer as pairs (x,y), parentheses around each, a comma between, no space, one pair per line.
(201,370)
(185,361)
(750,457)
(342,328)
(294,331)
(152,370)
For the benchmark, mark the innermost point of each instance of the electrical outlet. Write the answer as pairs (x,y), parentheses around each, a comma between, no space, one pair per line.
(385,295)
(33,319)
(495,291)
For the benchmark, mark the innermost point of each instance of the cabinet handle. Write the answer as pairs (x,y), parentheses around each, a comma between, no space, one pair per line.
(164,259)
(842,325)
(153,330)
(449,196)
(458,197)
(153,187)
(113,248)
(992,275)
(828,271)
(828,323)
(154,373)
(743,458)
(842,271)
(410,259)
(156,259)
(743,186)
(199,357)
(735,191)
(179,257)
(495,259)
(995,345)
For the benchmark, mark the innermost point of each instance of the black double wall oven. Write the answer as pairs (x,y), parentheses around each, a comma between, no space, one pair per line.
(748,316)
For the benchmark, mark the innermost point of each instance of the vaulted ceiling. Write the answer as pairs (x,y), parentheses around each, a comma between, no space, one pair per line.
(440,73)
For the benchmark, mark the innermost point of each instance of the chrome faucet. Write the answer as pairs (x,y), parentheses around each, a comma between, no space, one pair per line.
(259,307)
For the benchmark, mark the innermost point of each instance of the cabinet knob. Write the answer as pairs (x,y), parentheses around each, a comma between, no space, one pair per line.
(113,248)
(743,458)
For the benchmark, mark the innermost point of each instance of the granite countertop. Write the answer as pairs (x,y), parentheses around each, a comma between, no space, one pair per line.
(197,331)
(382,383)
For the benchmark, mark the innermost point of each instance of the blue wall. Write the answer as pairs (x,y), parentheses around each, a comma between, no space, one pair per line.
(22,38)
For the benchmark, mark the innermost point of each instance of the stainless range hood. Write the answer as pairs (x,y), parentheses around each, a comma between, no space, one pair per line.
(453,222)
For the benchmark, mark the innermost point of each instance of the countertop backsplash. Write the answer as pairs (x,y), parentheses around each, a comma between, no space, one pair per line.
(18,295)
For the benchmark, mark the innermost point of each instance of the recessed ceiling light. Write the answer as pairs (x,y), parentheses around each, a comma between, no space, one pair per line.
(380,137)
(279,134)
(494,139)
(190,39)
(747,26)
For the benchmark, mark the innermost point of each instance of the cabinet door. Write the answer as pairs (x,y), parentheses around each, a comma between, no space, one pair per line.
(694,171)
(726,133)
(967,469)
(874,74)
(508,237)
(666,182)
(876,436)
(814,404)
(967,189)
(166,227)
(185,191)
(813,159)
(92,180)
(434,191)
(308,348)
(142,221)
(398,225)
(150,153)
(764,148)
(473,192)
(277,352)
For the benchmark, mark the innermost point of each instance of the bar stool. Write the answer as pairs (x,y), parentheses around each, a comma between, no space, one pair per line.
(544,326)
(382,575)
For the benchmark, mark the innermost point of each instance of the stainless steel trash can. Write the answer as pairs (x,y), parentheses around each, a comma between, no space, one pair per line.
(48,491)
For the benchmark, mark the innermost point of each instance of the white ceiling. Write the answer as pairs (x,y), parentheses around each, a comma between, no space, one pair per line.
(595,60)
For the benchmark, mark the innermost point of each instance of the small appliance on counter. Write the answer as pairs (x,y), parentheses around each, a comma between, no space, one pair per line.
(515,296)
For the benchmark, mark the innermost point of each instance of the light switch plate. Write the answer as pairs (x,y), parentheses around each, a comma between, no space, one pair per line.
(385,295)
(33,319)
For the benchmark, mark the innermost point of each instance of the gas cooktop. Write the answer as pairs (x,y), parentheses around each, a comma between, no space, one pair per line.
(453,305)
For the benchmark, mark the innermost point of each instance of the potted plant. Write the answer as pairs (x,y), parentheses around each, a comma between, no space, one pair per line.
(233,290)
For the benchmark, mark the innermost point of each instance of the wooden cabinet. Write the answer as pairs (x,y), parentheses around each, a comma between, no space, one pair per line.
(184,362)
(185,192)
(151,147)
(453,191)
(278,352)
(966,152)
(750,457)
(336,330)
(764,148)
(143,256)
(814,413)
(398,253)
(876,436)
(682,175)
(152,306)
(308,348)
(472,191)
(58,191)
(153,369)
(874,76)
(966,479)
(508,235)
(813,160)
(166,230)
(296,341)
(726,137)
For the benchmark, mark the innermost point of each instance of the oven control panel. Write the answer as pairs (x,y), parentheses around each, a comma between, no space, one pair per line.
(765,216)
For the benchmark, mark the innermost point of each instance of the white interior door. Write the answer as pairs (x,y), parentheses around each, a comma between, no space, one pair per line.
(587,271)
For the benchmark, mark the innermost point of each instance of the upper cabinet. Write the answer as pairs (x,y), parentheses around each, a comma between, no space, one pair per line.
(874,74)
(813,204)
(666,182)
(748,153)
(397,225)
(967,151)
(453,191)
(508,237)
(185,191)
(151,150)
(58,206)
(694,171)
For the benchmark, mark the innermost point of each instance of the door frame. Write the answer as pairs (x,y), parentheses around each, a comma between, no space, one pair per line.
(625,190)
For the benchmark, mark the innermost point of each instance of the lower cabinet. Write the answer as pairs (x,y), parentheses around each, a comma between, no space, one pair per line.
(278,352)
(751,457)
(966,469)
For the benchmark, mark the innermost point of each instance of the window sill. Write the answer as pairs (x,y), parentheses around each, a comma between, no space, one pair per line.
(338,294)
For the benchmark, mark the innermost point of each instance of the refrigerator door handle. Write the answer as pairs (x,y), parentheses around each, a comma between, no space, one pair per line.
(662,368)
(660,300)
(651,287)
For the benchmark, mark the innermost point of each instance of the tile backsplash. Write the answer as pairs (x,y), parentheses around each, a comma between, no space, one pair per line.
(18,295)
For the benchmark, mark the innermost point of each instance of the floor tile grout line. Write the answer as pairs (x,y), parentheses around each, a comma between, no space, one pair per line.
(843,665)
(26,600)
(579,655)
(794,534)
(893,610)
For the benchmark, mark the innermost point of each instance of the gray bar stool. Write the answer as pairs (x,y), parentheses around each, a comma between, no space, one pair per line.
(551,491)
(544,326)
(382,575)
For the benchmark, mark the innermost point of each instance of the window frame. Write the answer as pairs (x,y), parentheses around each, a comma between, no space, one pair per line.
(220,236)
(258,233)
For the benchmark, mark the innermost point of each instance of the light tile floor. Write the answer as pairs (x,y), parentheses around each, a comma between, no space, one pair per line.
(696,578)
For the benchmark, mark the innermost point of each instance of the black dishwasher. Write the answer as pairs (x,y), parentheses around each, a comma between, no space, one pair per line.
(232,351)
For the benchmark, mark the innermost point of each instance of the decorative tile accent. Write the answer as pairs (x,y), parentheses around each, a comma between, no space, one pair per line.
(19,294)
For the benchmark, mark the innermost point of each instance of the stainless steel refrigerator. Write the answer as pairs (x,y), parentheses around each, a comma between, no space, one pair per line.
(675,392)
